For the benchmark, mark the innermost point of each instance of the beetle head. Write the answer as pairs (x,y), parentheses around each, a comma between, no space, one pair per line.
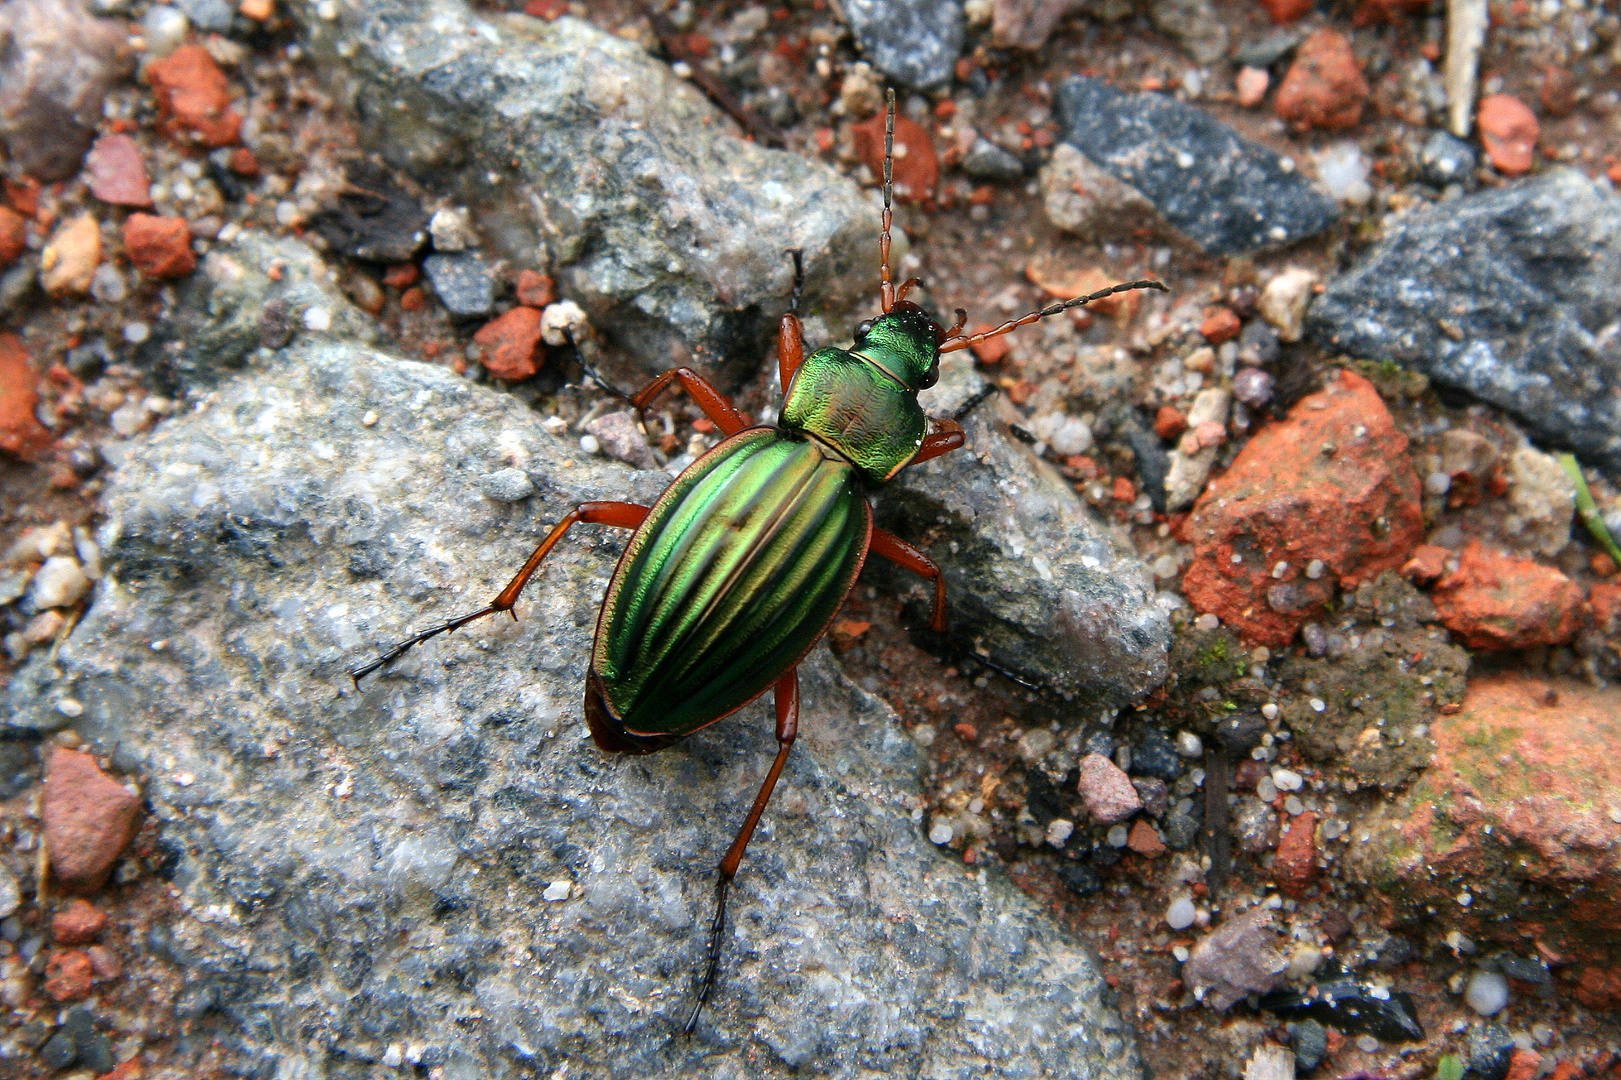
(905,342)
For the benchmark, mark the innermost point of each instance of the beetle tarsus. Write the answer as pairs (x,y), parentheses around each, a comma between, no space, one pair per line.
(717,927)
(399,650)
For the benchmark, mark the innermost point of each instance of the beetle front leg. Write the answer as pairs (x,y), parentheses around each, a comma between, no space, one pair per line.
(901,553)
(716,405)
(786,692)
(623,515)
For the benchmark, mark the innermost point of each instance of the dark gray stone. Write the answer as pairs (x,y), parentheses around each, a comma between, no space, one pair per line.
(1227,194)
(1309,1040)
(987,161)
(1180,831)
(1255,825)
(59,1051)
(1033,579)
(1509,294)
(1489,1051)
(462,281)
(1446,159)
(1154,754)
(378,857)
(574,150)
(1269,50)
(914,42)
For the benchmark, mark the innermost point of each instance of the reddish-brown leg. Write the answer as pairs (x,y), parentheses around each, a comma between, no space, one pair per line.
(623,515)
(944,441)
(786,692)
(790,334)
(716,405)
(901,553)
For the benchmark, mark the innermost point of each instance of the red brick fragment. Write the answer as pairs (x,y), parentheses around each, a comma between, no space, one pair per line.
(160,247)
(512,346)
(194,98)
(1324,87)
(13,236)
(1428,563)
(917,168)
(21,433)
(1295,864)
(89,819)
(1144,839)
(243,163)
(1169,422)
(535,289)
(1495,601)
(1509,132)
(1287,11)
(78,923)
(69,976)
(1220,324)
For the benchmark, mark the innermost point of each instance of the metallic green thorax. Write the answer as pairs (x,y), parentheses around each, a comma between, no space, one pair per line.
(863,402)
(734,574)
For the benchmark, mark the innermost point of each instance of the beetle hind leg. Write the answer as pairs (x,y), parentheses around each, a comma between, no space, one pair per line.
(787,698)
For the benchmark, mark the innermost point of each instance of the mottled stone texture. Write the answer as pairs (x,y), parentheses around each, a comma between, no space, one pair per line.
(1509,294)
(373,861)
(570,142)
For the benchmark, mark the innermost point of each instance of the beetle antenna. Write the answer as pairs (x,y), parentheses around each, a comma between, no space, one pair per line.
(591,372)
(886,287)
(798,255)
(1013,324)
(712,965)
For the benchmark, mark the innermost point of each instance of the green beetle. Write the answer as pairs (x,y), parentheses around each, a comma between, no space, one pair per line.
(736,571)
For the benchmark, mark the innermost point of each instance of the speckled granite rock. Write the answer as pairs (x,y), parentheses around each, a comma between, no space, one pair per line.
(367,868)
(914,42)
(566,140)
(1035,581)
(1509,294)
(1227,194)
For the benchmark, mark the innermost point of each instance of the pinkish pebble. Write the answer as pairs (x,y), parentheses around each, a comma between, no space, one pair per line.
(117,173)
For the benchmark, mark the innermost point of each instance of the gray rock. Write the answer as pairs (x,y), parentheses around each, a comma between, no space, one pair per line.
(914,42)
(462,281)
(987,161)
(1446,159)
(60,63)
(378,857)
(1227,194)
(1255,825)
(622,439)
(1033,579)
(1195,25)
(1309,1040)
(232,307)
(1269,50)
(1241,957)
(573,148)
(11,896)
(1489,1051)
(508,485)
(1508,294)
(213,16)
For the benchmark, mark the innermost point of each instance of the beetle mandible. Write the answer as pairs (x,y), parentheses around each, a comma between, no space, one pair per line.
(735,572)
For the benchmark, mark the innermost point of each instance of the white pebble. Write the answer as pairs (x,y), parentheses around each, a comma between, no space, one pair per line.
(1207,621)
(1315,568)
(107,284)
(941,832)
(1179,916)
(1059,831)
(557,890)
(1367,1044)
(590,445)
(1487,993)
(136,332)
(1118,835)
(164,29)
(561,319)
(318,319)
(1287,779)
(1189,745)
(61,582)
(1318,704)
(1293,806)
(1270,711)
(1265,790)
(1437,483)
(1181,953)
(69,707)
(368,418)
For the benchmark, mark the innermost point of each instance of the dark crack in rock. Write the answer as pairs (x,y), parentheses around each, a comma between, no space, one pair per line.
(1508,294)
(1033,578)
(1227,194)
(576,150)
(914,42)
(443,858)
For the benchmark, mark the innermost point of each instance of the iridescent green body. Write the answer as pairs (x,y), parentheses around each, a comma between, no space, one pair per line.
(745,559)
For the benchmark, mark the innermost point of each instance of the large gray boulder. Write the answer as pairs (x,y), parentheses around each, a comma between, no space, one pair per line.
(367,870)
(570,142)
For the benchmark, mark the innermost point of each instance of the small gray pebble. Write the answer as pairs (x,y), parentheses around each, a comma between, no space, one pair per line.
(508,485)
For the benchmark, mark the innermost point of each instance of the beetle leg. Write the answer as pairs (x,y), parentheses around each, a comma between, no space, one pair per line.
(901,553)
(790,334)
(716,405)
(623,515)
(786,692)
(944,441)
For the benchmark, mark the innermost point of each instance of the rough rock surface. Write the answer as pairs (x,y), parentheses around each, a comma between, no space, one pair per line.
(59,65)
(1331,483)
(1228,194)
(914,42)
(1508,294)
(1033,579)
(373,862)
(1495,601)
(582,153)
(1522,811)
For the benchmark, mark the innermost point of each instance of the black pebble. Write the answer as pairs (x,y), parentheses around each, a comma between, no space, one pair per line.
(1155,755)
(59,1051)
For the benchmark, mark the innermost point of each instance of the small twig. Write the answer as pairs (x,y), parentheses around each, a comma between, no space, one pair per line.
(1587,509)
(1466,36)
(673,44)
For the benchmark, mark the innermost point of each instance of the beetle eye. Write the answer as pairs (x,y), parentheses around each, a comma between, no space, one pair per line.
(930,377)
(864,328)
